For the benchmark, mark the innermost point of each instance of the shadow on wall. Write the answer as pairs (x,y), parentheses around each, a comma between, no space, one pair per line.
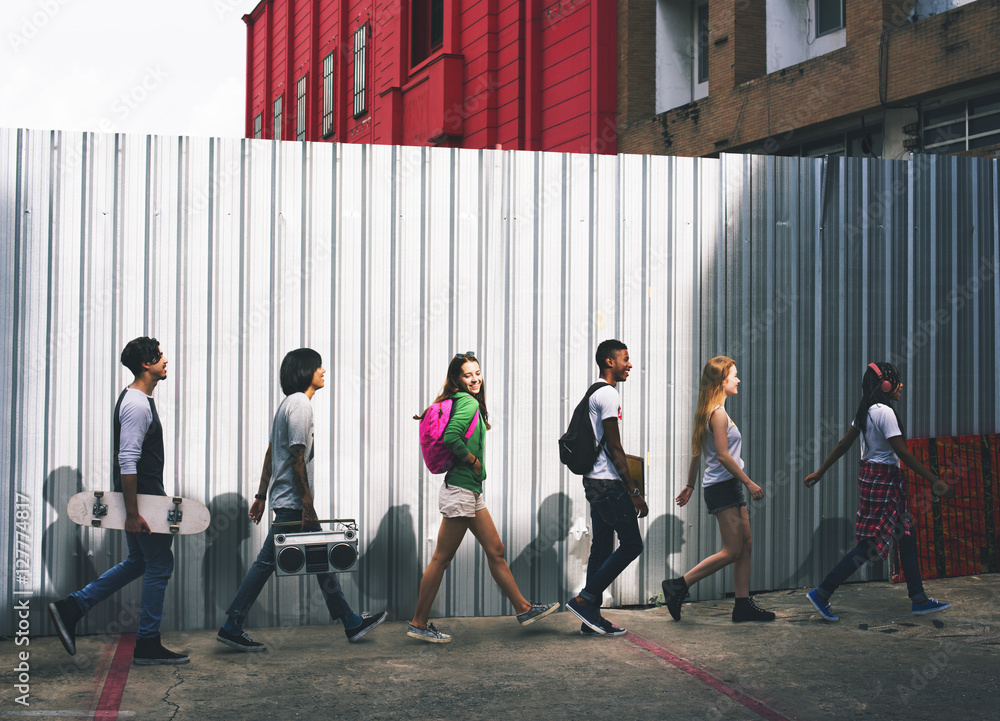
(68,560)
(388,566)
(666,532)
(222,567)
(539,569)
(831,540)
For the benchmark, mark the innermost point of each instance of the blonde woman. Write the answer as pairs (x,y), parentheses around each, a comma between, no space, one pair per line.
(717,440)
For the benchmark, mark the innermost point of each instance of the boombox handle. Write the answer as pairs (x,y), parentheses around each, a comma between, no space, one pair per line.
(321,520)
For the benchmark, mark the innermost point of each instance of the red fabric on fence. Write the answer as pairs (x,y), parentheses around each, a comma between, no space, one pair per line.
(960,536)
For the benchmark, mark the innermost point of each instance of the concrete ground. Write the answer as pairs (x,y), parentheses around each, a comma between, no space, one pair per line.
(878,662)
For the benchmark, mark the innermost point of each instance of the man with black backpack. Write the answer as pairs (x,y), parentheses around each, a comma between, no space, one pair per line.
(615,502)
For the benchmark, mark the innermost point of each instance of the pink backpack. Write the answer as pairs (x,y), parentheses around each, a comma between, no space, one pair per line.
(437,457)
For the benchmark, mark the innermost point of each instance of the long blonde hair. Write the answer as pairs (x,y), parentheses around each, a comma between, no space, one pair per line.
(710,394)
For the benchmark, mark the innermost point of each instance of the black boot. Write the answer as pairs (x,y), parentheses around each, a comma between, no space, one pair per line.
(746,610)
(64,615)
(150,652)
(674,593)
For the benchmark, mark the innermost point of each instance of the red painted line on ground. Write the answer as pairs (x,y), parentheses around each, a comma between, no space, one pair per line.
(114,684)
(754,705)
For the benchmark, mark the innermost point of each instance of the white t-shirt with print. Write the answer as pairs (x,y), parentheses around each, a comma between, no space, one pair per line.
(605,403)
(882,425)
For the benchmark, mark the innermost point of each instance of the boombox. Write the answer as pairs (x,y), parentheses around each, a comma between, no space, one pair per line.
(333,551)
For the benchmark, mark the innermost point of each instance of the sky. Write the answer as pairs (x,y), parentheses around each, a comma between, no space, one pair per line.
(129,66)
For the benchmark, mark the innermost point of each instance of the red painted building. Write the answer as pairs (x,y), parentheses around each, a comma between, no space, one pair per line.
(531,75)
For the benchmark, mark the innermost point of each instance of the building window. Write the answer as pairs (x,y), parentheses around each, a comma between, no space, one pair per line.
(427,19)
(360,69)
(277,119)
(966,125)
(301,117)
(258,130)
(830,16)
(328,95)
(701,42)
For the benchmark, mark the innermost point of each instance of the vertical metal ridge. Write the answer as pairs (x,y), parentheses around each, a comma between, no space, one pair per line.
(764,258)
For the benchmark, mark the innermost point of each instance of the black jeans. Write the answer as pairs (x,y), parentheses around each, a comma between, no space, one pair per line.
(864,552)
(612,513)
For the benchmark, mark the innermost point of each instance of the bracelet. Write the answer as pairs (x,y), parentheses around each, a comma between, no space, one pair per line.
(260,496)
(689,486)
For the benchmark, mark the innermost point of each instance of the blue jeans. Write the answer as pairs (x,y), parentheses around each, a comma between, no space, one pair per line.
(864,552)
(263,567)
(149,556)
(612,513)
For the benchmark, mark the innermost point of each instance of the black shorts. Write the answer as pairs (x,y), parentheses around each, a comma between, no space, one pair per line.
(723,495)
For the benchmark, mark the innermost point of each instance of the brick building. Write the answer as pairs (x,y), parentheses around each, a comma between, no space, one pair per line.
(809,77)
(530,75)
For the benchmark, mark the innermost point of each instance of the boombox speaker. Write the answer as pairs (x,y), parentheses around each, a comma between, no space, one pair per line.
(333,551)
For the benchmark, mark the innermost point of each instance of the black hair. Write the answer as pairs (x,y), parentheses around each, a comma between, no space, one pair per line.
(608,349)
(297,370)
(138,351)
(872,393)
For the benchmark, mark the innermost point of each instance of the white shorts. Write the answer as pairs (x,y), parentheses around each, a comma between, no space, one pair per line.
(456,502)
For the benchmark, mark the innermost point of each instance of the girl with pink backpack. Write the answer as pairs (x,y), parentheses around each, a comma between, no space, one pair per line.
(453,431)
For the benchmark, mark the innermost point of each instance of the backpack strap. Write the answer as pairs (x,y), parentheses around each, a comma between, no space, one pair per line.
(586,398)
(472,426)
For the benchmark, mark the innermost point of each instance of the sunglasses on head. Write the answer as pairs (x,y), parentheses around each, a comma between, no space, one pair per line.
(468,354)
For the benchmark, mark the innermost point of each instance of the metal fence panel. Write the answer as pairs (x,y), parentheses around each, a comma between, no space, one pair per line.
(388,260)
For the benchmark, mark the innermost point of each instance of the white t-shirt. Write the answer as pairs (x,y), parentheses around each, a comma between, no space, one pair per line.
(605,403)
(715,472)
(882,425)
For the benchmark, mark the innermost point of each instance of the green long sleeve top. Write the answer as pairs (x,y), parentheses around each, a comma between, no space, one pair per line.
(463,409)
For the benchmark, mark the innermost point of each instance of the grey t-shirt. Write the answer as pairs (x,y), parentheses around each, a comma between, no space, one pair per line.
(292,426)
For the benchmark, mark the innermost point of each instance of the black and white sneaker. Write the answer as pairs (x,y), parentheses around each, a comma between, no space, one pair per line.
(609,629)
(240,641)
(368,622)
(64,615)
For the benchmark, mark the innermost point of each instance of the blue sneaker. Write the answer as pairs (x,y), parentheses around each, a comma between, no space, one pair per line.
(823,606)
(590,615)
(931,606)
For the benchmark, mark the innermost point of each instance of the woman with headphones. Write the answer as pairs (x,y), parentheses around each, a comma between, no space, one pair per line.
(882,502)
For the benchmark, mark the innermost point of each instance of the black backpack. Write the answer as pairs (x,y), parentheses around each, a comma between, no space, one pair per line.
(578,449)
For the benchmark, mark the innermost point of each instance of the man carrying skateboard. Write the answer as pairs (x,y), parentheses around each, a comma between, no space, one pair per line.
(288,473)
(137,468)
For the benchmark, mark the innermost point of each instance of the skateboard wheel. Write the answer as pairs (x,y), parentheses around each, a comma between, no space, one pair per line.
(95,522)
(177,500)
(175,529)
(98,494)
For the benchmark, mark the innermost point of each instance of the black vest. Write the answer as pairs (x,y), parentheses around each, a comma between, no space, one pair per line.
(149,469)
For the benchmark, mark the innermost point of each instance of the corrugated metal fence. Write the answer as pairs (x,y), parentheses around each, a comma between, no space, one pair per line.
(388,260)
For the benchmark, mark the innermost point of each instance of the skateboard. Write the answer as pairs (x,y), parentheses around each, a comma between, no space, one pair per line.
(163,514)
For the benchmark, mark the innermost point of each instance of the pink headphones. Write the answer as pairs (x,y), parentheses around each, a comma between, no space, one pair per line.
(886,385)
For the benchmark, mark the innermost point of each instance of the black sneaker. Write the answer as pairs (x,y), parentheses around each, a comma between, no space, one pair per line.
(590,615)
(609,629)
(150,652)
(746,610)
(240,641)
(368,622)
(64,615)
(674,593)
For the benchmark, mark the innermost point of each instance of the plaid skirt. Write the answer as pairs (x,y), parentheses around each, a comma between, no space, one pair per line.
(882,506)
